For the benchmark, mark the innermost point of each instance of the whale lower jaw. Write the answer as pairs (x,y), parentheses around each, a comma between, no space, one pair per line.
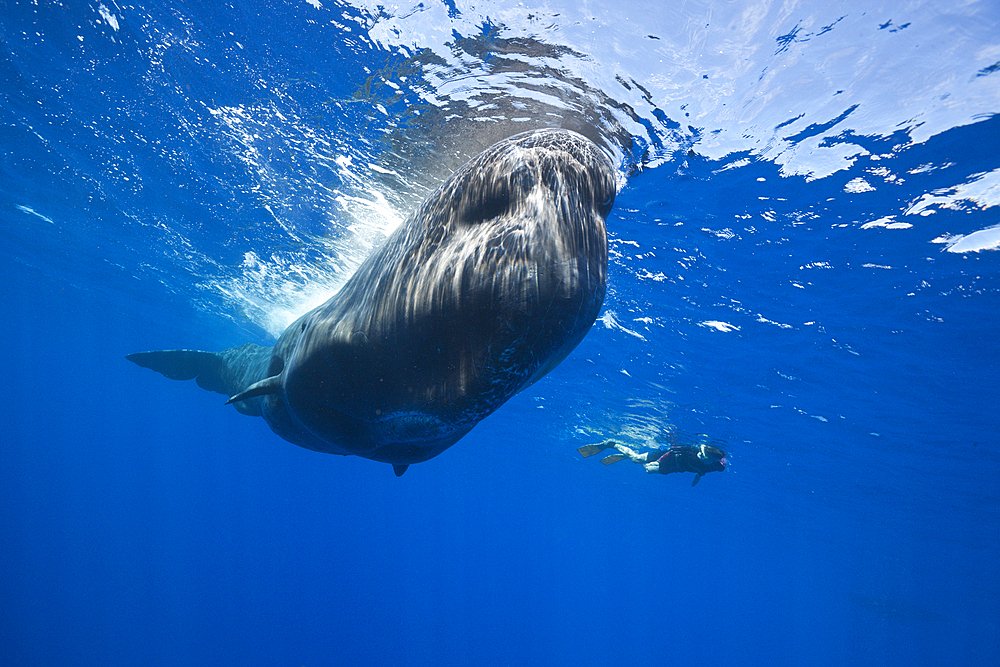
(399,438)
(413,437)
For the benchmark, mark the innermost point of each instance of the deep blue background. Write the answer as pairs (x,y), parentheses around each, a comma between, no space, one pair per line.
(142,522)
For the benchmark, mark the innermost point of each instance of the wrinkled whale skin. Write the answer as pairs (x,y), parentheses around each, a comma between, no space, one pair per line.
(483,290)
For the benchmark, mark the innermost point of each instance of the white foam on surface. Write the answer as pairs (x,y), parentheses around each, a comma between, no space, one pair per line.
(984,239)
(724,327)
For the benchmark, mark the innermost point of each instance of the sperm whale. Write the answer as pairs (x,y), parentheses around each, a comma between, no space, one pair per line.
(484,289)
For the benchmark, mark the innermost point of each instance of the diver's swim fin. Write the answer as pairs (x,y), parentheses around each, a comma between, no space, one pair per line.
(590,450)
(399,469)
(614,458)
(697,478)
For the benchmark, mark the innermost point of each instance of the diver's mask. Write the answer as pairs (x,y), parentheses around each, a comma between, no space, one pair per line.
(710,453)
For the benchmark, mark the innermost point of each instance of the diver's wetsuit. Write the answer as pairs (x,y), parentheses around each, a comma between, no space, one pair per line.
(679,458)
(682,458)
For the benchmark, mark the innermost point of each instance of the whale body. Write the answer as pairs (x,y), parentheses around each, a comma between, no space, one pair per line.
(483,290)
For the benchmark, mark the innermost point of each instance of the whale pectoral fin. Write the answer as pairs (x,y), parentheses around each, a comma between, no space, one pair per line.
(207,367)
(614,458)
(266,386)
(399,469)
(697,478)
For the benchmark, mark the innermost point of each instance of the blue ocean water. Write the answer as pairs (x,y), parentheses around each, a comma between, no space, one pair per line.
(805,270)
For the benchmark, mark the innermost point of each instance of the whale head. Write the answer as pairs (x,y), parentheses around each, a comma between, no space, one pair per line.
(484,289)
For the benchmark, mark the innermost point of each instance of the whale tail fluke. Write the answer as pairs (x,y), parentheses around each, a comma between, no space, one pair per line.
(205,367)
(231,372)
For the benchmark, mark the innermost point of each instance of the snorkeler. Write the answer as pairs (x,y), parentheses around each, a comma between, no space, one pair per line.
(679,458)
